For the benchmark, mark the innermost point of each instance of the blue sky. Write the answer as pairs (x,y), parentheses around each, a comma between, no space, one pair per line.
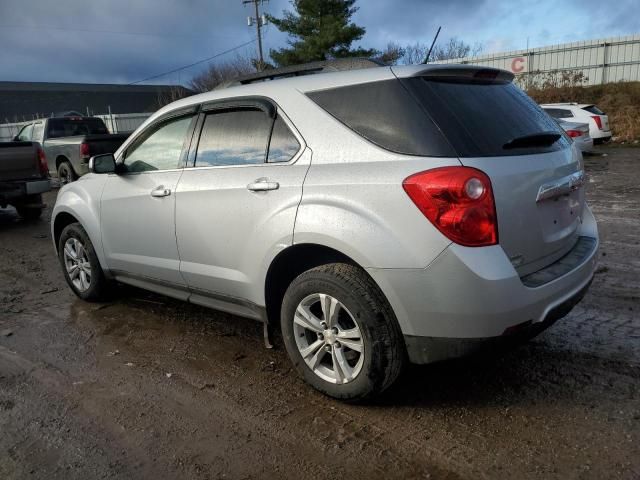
(121,41)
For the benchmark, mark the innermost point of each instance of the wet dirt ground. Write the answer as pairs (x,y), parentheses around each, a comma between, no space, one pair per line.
(147,387)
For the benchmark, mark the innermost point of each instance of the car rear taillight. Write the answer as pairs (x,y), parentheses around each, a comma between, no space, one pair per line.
(598,121)
(42,163)
(574,133)
(84,150)
(458,201)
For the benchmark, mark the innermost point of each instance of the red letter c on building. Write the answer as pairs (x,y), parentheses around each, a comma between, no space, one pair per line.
(517,64)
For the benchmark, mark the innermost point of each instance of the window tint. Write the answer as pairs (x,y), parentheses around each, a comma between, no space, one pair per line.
(481,118)
(593,109)
(385,114)
(283,145)
(25,133)
(38,131)
(161,149)
(72,126)
(233,137)
(559,112)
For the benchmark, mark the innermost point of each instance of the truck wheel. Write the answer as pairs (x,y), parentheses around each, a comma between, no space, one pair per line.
(66,173)
(31,207)
(81,266)
(29,213)
(340,332)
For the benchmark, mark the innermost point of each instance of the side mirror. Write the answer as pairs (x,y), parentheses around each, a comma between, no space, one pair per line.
(105,163)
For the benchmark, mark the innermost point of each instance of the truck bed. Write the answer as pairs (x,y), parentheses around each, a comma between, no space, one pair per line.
(19,161)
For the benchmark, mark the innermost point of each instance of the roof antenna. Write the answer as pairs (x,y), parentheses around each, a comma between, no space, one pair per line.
(426,60)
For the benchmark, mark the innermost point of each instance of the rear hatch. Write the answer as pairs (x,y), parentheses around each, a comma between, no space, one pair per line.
(536,173)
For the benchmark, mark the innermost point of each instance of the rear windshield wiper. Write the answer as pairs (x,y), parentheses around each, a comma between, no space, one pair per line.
(541,139)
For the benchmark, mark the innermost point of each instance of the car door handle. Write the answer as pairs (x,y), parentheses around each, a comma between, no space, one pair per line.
(262,185)
(160,192)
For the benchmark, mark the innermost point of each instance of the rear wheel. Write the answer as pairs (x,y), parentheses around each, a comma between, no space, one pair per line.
(341,333)
(66,173)
(31,208)
(81,266)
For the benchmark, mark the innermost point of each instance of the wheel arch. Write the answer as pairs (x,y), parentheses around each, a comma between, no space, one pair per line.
(293,261)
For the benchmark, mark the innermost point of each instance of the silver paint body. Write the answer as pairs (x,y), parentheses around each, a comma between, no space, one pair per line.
(212,240)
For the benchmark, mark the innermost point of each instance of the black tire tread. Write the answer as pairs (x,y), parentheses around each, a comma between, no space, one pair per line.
(387,330)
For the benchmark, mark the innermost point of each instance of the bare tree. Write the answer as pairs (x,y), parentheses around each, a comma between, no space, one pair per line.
(392,54)
(165,97)
(454,48)
(222,72)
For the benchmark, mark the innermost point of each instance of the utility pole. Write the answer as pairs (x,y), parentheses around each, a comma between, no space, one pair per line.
(260,21)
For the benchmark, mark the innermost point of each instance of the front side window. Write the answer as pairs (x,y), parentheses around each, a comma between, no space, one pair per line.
(161,149)
(234,137)
(25,134)
(283,145)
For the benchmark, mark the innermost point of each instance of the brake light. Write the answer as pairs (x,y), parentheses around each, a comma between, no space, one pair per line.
(42,163)
(84,150)
(458,201)
(574,133)
(598,121)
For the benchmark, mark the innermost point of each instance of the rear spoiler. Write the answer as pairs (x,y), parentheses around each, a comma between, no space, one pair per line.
(457,72)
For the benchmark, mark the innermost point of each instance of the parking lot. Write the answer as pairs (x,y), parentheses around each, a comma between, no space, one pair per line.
(148,387)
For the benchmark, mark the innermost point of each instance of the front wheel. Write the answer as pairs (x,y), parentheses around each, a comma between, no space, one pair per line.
(81,266)
(341,333)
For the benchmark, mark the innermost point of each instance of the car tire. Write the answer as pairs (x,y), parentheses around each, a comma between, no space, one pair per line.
(358,318)
(32,207)
(80,265)
(66,173)
(29,213)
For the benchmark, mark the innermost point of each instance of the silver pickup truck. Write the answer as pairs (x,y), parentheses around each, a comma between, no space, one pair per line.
(69,141)
(24,176)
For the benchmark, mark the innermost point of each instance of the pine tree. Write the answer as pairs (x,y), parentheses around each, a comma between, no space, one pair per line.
(321,30)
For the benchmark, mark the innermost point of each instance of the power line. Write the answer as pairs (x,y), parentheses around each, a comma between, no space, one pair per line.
(194,63)
(88,30)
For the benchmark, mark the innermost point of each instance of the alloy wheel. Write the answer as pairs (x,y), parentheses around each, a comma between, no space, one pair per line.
(328,338)
(76,262)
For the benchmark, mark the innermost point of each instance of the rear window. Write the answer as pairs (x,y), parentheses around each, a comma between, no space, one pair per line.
(593,109)
(441,117)
(70,127)
(481,118)
(559,112)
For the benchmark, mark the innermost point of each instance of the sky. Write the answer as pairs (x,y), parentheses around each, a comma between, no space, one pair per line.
(125,41)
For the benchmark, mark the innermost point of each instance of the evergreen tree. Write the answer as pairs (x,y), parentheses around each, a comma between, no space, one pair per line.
(321,30)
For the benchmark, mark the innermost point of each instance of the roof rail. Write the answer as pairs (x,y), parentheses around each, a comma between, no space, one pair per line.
(322,66)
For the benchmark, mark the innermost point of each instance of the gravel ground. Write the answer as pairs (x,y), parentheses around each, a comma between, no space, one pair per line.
(147,387)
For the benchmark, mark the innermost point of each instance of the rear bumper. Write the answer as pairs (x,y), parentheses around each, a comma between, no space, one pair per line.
(474,294)
(584,144)
(12,191)
(423,350)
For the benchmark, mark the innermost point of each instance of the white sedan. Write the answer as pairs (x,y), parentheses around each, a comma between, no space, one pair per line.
(597,120)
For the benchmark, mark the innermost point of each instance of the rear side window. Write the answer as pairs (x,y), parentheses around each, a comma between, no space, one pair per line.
(559,112)
(38,132)
(593,109)
(73,126)
(234,137)
(283,144)
(385,114)
(482,118)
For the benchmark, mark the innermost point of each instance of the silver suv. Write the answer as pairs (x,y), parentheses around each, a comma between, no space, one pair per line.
(381,216)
